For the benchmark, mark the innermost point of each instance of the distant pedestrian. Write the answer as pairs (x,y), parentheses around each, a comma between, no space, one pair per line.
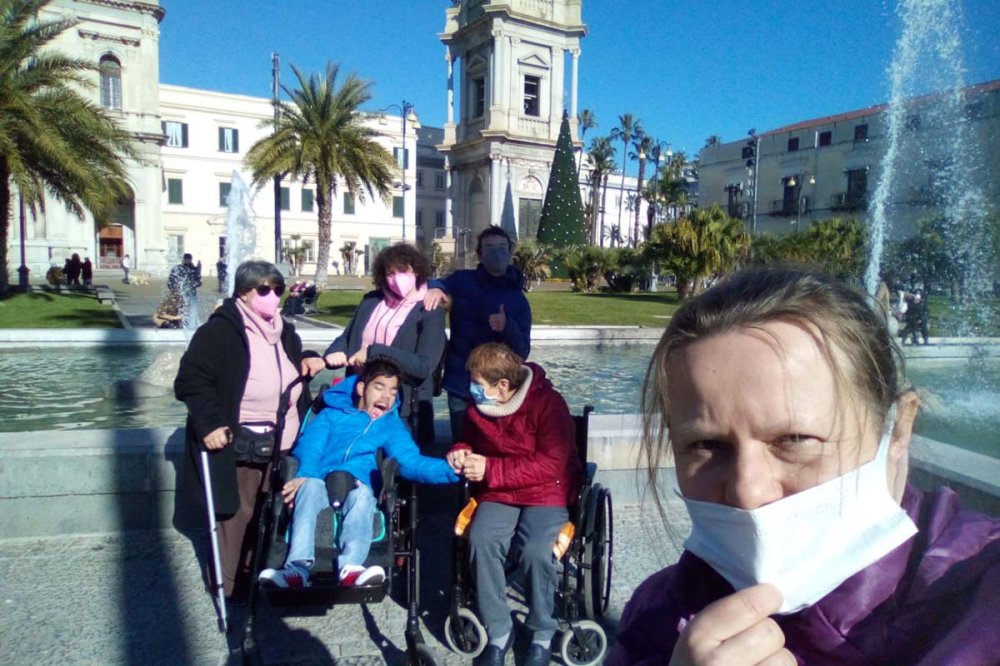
(126,266)
(222,271)
(73,267)
(87,271)
(917,319)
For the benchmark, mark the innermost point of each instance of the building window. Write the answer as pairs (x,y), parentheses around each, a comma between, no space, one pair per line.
(793,144)
(861,132)
(175,248)
(286,199)
(420,178)
(402,157)
(478,97)
(529,214)
(439,222)
(224,189)
(825,138)
(857,186)
(111,83)
(175,191)
(420,218)
(229,140)
(308,196)
(176,133)
(397,206)
(439,181)
(348,203)
(532,96)
(913,123)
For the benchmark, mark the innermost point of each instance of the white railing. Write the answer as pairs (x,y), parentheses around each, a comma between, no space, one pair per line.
(533,126)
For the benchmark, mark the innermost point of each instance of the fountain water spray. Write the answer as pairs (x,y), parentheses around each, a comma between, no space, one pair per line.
(241,229)
(929,55)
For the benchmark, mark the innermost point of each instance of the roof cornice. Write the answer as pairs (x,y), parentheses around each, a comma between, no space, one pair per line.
(135,5)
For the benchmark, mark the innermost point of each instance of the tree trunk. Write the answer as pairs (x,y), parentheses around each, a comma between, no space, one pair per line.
(5,217)
(324,197)
(621,188)
(604,198)
(638,201)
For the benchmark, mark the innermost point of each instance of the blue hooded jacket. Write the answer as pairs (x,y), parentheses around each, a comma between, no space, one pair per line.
(342,437)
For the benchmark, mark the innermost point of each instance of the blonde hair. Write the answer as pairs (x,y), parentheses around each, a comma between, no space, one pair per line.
(866,362)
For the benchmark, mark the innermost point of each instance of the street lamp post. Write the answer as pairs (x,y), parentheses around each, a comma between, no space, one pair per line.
(275,89)
(22,271)
(406,113)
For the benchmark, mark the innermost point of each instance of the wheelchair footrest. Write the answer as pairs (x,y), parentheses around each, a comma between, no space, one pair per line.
(325,591)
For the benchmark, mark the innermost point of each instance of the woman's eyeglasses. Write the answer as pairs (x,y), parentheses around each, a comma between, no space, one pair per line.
(265,289)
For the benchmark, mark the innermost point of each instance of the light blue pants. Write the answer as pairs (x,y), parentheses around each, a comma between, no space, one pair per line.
(356,523)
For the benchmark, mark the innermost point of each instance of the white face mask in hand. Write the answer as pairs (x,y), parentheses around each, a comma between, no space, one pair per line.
(808,543)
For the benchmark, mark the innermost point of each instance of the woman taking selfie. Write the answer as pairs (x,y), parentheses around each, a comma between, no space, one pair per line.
(779,393)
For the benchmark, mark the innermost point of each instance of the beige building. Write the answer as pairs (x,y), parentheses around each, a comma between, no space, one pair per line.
(190,142)
(508,63)
(829,167)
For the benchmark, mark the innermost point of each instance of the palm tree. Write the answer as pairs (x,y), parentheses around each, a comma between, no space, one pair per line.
(704,243)
(54,141)
(602,162)
(585,120)
(642,143)
(322,136)
(628,127)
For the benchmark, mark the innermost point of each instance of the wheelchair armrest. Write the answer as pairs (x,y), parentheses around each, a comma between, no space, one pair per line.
(288,467)
(389,470)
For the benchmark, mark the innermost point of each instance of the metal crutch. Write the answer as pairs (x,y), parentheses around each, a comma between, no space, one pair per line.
(214,529)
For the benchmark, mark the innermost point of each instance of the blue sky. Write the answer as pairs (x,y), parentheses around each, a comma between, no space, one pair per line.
(688,69)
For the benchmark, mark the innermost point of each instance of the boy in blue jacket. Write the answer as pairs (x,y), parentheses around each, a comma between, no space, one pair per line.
(362,416)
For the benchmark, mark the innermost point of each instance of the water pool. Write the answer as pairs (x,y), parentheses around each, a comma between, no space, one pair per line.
(961,404)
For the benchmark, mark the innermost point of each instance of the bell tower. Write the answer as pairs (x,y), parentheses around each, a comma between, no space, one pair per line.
(507,90)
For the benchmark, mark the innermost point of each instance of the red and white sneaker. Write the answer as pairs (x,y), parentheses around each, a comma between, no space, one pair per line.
(354,575)
(290,576)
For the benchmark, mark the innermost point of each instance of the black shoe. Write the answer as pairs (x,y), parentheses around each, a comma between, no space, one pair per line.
(494,656)
(538,655)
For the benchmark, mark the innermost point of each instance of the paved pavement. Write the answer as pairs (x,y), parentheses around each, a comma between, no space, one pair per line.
(138,598)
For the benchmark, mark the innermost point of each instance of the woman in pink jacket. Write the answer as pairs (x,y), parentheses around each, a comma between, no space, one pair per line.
(518,450)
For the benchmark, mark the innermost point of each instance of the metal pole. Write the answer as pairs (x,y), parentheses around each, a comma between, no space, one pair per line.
(275,87)
(213,532)
(22,272)
(406,161)
(756,181)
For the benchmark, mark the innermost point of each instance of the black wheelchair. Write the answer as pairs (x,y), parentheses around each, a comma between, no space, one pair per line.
(584,588)
(393,548)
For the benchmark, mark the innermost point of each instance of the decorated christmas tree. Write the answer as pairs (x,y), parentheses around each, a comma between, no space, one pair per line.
(561,224)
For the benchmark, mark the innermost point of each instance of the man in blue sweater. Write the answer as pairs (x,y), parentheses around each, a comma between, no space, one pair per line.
(487,305)
(361,417)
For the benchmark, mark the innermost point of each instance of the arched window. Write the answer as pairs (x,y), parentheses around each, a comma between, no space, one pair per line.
(111,83)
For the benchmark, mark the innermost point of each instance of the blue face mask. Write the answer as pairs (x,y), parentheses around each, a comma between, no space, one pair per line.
(479,395)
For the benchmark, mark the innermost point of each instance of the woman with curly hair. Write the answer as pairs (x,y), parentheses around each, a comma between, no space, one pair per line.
(391,322)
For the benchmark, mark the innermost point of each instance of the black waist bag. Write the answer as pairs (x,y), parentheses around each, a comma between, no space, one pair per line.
(254,447)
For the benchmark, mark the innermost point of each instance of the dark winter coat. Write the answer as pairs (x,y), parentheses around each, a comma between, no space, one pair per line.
(416,349)
(210,381)
(476,295)
(531,456)
(933,600)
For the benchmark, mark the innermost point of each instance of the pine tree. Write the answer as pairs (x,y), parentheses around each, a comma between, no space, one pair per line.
(561,224)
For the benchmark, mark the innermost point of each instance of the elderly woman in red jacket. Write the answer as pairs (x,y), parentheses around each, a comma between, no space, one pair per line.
(518,450)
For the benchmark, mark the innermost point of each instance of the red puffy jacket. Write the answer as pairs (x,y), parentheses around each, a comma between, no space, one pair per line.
(531,457)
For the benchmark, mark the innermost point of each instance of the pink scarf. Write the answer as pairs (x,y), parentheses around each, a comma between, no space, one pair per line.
(271,371)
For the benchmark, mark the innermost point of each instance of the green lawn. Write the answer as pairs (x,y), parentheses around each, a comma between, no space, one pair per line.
(558,308)
(55,310)
(946,316)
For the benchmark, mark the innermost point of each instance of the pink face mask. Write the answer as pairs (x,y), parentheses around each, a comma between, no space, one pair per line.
(402,283)
(265,306)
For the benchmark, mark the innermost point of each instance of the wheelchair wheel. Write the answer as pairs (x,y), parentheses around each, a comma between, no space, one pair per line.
(584,644)
(423,655)
(598,556)
(468,637)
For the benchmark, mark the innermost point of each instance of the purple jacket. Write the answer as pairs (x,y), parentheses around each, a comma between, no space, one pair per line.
(933,600)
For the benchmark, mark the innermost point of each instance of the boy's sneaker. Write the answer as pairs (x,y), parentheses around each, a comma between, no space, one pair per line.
(290,576)
(354,575)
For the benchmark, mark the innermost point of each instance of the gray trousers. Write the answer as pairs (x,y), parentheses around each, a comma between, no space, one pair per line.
(536,527)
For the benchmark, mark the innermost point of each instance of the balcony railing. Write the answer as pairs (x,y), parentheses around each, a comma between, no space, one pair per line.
(533,126)
(849,201)
(789,207)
